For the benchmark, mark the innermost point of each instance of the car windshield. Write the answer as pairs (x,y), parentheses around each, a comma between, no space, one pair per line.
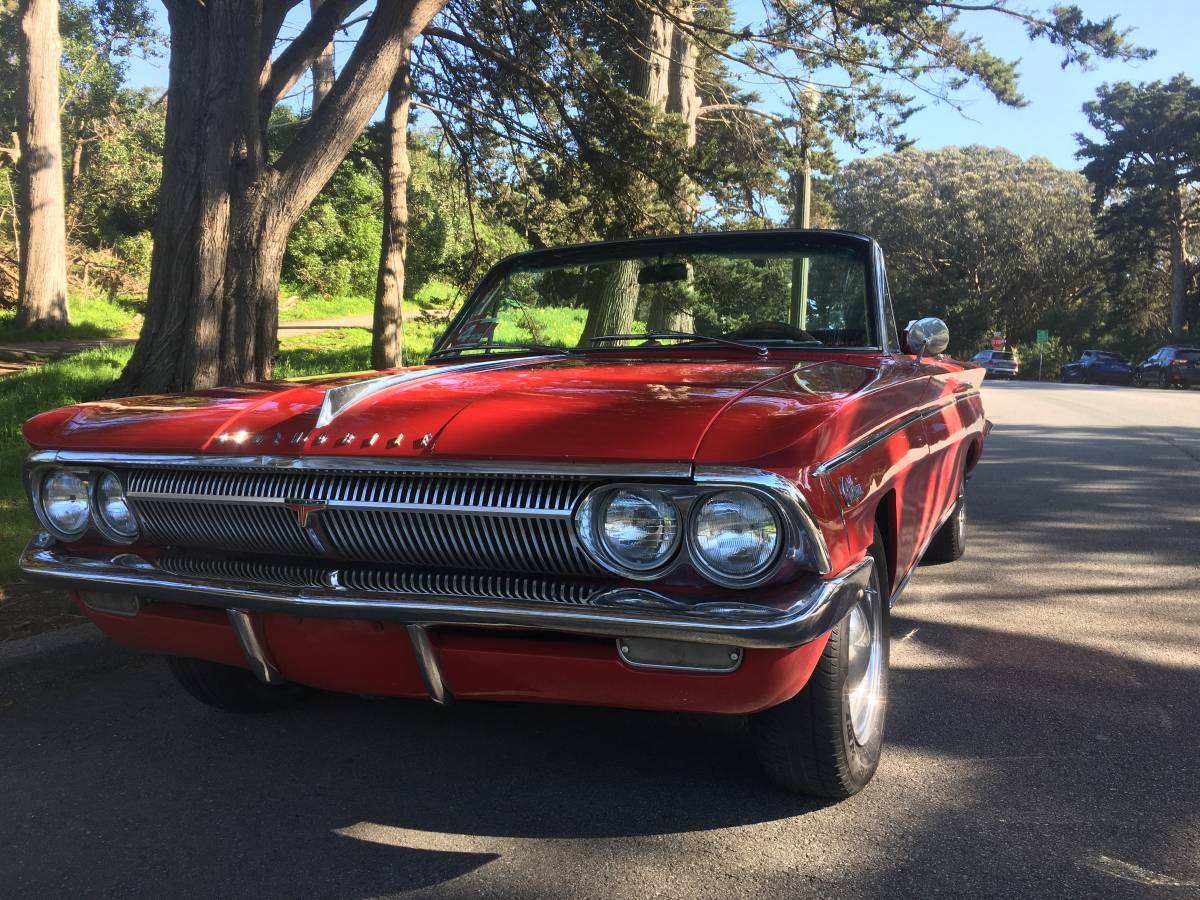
(1110,357)
(1002,357)
(803,298)
(1188,355)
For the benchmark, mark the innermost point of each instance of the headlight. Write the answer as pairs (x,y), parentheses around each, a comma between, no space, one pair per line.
(112,509)
(631,529)
(64,500)
(735,535)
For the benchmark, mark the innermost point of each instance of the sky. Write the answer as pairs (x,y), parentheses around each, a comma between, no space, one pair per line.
(1047,125)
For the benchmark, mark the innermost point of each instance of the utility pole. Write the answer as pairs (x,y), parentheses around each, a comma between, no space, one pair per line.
(802,204)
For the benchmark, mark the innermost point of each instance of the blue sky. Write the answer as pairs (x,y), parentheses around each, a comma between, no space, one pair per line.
(1046,126)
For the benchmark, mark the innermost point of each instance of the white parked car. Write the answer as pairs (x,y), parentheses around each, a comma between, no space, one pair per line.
(999,363)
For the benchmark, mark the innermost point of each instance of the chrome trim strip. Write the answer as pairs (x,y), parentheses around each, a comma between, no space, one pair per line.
(427,661)
(621,612)
(426,508)
(255,651)
(374,464)
(339,399)
(784,491)
(862,445)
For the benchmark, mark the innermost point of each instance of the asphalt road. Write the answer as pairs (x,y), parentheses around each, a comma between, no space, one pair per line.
(1044,735)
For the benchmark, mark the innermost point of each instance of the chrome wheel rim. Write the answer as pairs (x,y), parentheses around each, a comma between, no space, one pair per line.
(864,668)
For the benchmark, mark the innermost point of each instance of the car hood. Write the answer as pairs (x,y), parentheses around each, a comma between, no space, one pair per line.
(594,408)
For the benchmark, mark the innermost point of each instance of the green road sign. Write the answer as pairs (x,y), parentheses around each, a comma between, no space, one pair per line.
(1043,336)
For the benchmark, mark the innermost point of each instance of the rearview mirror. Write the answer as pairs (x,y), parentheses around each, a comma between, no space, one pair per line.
(928,337)
(662,273)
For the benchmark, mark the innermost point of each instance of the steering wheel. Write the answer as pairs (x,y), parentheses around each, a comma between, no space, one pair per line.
(771,331)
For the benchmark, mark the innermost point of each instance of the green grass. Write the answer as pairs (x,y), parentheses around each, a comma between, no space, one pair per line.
(296,306)
(554,326)
(91,317)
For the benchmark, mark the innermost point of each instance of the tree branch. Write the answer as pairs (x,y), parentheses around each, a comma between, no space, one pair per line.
(309,161)
(304,49)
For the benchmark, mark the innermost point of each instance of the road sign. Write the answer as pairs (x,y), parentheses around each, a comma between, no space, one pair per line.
(997,341)
(1043,336)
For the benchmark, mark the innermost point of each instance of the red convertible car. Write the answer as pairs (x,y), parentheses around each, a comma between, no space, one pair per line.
(687,473)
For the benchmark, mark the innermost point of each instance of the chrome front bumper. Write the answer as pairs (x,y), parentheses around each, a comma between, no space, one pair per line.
(621,612)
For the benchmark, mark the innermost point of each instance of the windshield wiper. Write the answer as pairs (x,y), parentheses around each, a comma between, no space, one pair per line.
(491,345)
(762,352)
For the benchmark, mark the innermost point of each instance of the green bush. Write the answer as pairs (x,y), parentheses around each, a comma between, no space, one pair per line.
(1054,355)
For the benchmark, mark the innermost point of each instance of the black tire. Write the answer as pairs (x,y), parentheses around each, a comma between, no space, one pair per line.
(950,542)
(808,744)
(232,689)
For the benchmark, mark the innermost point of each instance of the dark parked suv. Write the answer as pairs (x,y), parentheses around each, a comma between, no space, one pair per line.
(1097,367)
(1170,367)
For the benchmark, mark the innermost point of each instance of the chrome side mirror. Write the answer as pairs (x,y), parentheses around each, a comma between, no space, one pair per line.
(928,337)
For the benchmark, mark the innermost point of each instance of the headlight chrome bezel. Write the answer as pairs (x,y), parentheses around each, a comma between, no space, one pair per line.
(715,574)
(106,528)
(95,524)
(38,496)
(800,546)
(589,528)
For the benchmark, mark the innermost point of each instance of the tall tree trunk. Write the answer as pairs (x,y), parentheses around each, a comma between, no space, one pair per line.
(42,294)
(1179,267)
(387,339)
(322,68)
(615,307)
(225,213)
(668,310)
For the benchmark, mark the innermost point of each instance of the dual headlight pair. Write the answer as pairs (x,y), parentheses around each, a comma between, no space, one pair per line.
(70,501)
(733,536)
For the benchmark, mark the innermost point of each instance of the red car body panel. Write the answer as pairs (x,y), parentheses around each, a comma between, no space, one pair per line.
(866,440)
(376,658)
(783,415)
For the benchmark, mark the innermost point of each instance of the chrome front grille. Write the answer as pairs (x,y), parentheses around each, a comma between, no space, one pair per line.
(468,586)
(501,523)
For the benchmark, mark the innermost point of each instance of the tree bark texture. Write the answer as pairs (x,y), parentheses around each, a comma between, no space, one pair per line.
(322,67)
(387,339)
(225,213)
(42,291)
(1179,266)
(615,308)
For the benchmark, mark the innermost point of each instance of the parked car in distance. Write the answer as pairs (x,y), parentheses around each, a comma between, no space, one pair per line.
(639,474)
(1097,367)
(997,363)
(1177,367)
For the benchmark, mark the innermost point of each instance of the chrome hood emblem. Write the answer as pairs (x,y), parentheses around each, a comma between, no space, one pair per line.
(339,399)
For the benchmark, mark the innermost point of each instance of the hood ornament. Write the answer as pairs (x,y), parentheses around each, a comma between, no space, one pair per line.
(339,399)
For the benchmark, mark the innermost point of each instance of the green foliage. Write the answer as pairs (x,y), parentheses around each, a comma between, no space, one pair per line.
(981,238)
(334,248)
(1055,354)
(1146,173)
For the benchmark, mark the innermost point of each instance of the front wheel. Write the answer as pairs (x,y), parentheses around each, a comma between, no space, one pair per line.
(826,741)
(231,689)
(950,542)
